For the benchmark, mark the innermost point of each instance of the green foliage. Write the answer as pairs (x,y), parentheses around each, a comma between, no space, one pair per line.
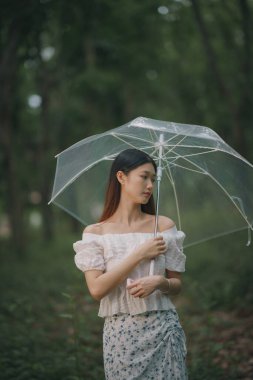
(219,273)
(205,369)
(47,322)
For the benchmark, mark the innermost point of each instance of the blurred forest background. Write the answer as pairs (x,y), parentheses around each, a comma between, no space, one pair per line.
(69,69)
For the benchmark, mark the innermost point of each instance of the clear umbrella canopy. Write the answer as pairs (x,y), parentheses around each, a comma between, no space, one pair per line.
(206,186)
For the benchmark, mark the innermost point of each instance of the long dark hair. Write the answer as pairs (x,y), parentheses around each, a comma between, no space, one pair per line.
(126,161)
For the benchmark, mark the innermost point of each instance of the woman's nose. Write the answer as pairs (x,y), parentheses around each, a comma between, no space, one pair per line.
(150,185)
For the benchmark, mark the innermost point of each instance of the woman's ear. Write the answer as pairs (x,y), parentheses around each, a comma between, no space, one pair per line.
(120,177)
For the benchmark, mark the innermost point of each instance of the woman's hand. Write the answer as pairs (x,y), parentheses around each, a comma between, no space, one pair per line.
(144,286)
(152,248)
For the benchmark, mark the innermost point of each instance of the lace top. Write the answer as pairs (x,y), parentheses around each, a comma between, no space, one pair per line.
(103,252)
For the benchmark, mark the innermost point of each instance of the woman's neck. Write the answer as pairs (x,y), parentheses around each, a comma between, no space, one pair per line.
(128,215)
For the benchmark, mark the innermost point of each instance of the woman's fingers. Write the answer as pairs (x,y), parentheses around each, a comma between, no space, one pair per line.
(143,287)
(159,238)
(132,285)
(162,246)
(135,291)
(138,293)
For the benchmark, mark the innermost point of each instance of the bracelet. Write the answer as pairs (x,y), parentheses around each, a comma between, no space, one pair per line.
(167,291)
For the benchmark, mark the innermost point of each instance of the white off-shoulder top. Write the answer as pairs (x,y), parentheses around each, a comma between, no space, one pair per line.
(103,252)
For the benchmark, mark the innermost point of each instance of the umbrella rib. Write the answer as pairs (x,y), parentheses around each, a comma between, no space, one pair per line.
(225,191)
(169,150)
(237,155)
(72,179)
(215,236)
(129,136)
(133,146)
(157,147)
(192,154)
(148,147)
(199,146)
(194,146)
(169,175)
(154,139)
(173,137)
(153,153)
(174,146)
(184,167)
(69,212)
(88,167)
(123,140)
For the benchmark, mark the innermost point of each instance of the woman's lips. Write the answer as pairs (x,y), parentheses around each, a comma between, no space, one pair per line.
(147,194)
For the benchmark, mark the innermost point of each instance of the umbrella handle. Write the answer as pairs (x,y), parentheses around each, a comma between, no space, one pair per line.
(151,268)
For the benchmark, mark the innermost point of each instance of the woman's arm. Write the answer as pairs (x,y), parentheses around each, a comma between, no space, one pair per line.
(100,284)
(144,286)
(171,284)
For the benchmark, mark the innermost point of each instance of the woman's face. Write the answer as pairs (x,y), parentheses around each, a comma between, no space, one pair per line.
(138,184)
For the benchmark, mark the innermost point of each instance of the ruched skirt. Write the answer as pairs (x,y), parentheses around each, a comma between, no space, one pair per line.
(151,345)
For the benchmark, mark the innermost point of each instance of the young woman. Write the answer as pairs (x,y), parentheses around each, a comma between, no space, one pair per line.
(142,335)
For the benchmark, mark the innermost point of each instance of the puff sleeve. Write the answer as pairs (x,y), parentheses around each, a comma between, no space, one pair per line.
(174,256)
(89,253)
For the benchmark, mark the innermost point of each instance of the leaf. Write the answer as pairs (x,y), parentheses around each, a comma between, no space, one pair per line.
(68,316)
(66,295)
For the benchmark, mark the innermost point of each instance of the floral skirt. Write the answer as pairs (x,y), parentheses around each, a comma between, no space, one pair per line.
(151,345)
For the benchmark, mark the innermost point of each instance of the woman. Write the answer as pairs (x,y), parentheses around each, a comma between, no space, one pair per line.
(142,336)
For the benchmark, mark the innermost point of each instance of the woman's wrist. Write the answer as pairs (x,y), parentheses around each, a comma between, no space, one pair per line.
(170,286)
(163,284)
(139,254)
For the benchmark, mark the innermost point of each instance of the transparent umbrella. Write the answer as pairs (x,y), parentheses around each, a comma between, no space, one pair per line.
(203,184)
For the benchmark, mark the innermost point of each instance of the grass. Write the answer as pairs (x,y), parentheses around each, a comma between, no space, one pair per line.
(47,320)
(50,328)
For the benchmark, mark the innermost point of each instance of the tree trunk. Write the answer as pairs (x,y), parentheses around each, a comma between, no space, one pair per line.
(227,96)
(246,104)
(8,85)
(45,156)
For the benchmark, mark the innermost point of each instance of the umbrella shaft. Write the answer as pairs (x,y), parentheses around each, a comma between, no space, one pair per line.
(159,177)
(157,207)
(151,269)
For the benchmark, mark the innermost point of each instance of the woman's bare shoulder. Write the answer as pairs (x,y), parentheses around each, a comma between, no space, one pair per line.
(165,223)
(93,229)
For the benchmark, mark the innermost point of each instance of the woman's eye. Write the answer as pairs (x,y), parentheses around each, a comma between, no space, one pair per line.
(145,177)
